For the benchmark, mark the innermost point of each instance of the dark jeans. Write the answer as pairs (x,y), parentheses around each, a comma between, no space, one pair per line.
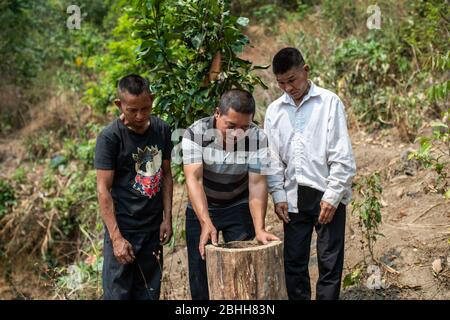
(235,223)
(139,280)
(330,248)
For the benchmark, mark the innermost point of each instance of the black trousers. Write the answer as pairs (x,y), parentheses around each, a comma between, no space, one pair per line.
(330,248)
(235,223)
(139,280)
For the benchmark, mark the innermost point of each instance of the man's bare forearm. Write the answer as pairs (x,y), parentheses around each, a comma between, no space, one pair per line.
(107,213)
(258,201)
(198,199)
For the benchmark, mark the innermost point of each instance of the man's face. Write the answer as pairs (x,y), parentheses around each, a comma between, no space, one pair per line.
(232,125)
(294,82)
(135,109)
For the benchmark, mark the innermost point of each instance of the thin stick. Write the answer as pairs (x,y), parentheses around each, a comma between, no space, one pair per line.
(426,211)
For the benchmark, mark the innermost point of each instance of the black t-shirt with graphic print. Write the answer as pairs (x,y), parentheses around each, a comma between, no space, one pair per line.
(137,163)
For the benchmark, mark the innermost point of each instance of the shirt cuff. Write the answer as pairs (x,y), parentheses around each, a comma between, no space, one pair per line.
(255,169)
(279,196)
(332,197)
(192,160)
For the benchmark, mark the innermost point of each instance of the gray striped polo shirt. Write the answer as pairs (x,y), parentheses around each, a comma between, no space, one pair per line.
(225,168)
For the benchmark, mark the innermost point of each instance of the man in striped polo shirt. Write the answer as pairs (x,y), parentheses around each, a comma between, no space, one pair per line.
(223,157)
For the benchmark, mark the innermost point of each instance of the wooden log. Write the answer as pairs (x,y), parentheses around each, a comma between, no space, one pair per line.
(246,270)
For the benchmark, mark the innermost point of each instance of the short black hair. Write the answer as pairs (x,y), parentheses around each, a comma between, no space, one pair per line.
(285,59)
(240,100)
(133,84)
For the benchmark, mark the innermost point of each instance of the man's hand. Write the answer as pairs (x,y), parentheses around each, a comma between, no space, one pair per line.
(123,251)
(165,231)
(264,237)
(281,209)
(326,212)
(208,232)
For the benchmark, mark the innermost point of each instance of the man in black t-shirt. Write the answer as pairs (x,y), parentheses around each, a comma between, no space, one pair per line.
(134,184)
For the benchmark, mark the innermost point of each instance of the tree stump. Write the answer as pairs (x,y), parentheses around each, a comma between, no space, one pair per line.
(246,270)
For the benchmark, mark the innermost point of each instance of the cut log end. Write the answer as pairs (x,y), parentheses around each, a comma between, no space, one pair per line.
(246,270)
(244,245)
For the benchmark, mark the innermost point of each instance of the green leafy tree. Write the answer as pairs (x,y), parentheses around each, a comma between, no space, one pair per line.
(191,48)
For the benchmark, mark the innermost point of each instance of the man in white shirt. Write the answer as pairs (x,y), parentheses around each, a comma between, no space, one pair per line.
(312,168)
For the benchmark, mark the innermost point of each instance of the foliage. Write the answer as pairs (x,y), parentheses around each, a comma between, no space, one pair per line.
(41,146)
(387,72)
(22,43)
(438,92)
(175,42)
(342,13)
(432,53)
(118,58)
(427,28)
(80,280)
(19,175)
(81,149)
(426,33)
(353,278)
(268,15)
(179,41)
(434,152)
(73,202)
(66,201)
(368,66)
(369,209)
(76,66)
(39,51)
(7,197)
(32,33)
(313,50)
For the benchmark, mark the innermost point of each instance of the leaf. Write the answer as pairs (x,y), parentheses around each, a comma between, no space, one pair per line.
(57,161)
(412,155)
(447,194)
(352,278)
(149,4)
(243,21)
(438,124)
(197,41)
(424,146)
(347,281)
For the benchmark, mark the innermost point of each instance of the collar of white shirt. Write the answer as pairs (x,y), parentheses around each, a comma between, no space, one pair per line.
(312,92)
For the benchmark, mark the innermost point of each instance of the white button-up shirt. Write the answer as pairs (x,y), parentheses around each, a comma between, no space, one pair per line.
(309,145)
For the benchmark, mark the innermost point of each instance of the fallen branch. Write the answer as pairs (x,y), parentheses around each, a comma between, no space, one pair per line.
(426,211)
(389,269)
(416,225)
(410,287)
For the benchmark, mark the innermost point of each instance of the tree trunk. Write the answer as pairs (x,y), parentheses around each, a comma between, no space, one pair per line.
(245,270)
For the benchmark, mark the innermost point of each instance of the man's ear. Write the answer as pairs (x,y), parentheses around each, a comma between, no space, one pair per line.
(118,103)
(306,68)
(217,112)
